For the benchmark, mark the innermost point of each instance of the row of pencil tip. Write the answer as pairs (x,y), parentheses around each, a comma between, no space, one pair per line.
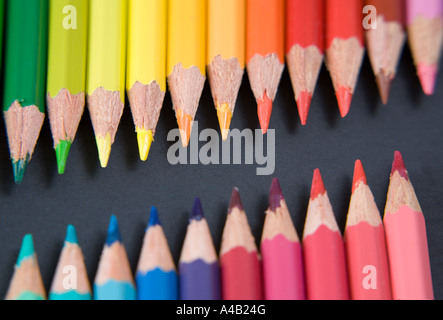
(374,259)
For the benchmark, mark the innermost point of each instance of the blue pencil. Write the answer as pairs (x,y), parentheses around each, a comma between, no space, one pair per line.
(156,276)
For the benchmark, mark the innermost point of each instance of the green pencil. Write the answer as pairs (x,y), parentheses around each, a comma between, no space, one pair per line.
(25,77)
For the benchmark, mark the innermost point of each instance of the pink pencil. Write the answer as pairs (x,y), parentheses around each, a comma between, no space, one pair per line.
(425,29)
(323,249)
(406,239)
(281,251)
(365,244)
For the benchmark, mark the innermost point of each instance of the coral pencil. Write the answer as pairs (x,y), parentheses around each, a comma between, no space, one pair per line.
(26,282)
(199,270)
(406,239)
(283,273)
(323,249)
(226,56)
(146,64)
(240,263)
(344,48)
(66,81)
(424,21)
(156,277)
(105,82)
(25,78)
(71,278)
(113,280)
(385,42)
(304,49)
(265,53)
(186,60)
(365,244)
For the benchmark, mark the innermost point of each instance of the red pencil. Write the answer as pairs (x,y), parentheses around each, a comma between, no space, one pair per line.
(323,249)
(239,258)
(304,49)
(344,47)
(365,244)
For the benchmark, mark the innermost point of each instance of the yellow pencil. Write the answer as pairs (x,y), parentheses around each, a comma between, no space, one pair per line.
(146,67)
(106,71)
(186,60)
(226,56)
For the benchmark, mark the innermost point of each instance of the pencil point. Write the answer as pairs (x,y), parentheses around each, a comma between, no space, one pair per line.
(235,201)
(318,187)
(19,168)
(275,196)
(144,139)
(62,152)
(71,235)
(184,122)
(104,149)
(153,217)
(113,232)
(384,86)
(264,108)
(399,166)
(224,116)
(344,98)
(27,249)
(197,210)
(359,175)
(428,76)
(304,104)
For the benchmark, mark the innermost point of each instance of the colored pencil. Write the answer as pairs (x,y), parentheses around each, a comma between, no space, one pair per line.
(385,42)
(226,56)
(105,84)
(406,239)
(240,261)
(146,63)
(265,53)
(71,281)
(323,248)
(2,21)
(344,48)
(186,60)
(156,277)
(114,280)
(304,49)
(26,282)
(283,274)
(365,244)
(25,78)
(199,271)
(424,21)
(66,81)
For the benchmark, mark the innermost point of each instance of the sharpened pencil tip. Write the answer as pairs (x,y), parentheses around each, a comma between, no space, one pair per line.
(27,249)
(359,175)
(153,217)
(318,187)
(428,76)
(399,165)
(264,109)
(62,152)
(344,98)
(71,235)
(224,116)
(235,201)
(104,149)
(19,169)
(384,86)
(303,105)
(197,210)
(275,196)
(184,122)
(113,232)
(144,140)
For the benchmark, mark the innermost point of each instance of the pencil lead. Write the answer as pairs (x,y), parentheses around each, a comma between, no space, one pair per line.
(275,196)
(184,122)
(144,139)
(318,187)
(304,104)
(359,175)
(224,116)
(104,149)
(153,217)
(344,98)
(27,249)
(19,169)
(62,152)
(71,235)
(264,108)
(428,76)
(384,86)
(197,210)
(399,166)
(113,232)
(235,201)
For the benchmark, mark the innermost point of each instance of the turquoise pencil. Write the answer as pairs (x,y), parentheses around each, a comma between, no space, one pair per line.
(156,276)
(114,280)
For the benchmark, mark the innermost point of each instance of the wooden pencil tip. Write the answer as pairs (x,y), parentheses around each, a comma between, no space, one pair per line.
(27,249)
(275,196)
(19,169)
(62,152)
(264,110)
(197,210)
(428,76)
(113,232)
(184,122)
(144,140)
(384,86)
(359,175)
(224,116)
(235,201)
(71,235)
(344,98)
(318,187)
(153,217)
(104,146)
(304,104)
(399,166)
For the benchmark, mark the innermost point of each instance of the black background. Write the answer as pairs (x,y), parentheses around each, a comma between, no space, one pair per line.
(87,195)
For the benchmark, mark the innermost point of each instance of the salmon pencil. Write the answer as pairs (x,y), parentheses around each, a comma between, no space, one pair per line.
(304,49)
(424,21)
(365,244)
(406,239)
(283,274)
(265,60)
(240,263)
(323,248)
(344,48)
(385,42)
